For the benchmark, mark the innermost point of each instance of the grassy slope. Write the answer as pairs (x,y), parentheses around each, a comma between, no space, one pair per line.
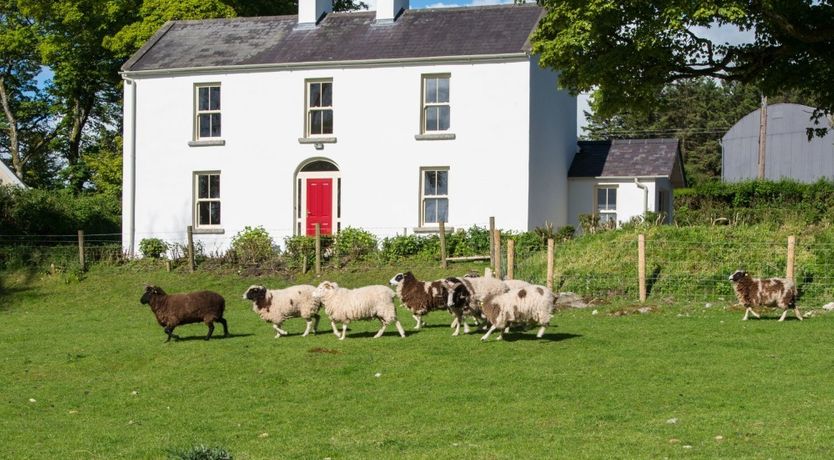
(106,386)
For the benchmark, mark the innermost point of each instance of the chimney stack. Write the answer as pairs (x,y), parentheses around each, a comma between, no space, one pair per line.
(311,11)
(387,11)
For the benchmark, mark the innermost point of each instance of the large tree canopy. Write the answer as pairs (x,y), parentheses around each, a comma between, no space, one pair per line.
(627,51)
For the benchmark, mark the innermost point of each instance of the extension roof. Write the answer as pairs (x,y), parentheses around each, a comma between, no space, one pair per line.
(629,158)
(339,37)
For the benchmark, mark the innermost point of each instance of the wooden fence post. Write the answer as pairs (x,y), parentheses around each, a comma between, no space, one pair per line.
(498,273)
(510,259)
(190,232)
(491,242)
(641,265)
(318,248)
(442,245)
(791,257)
(550,263)
(81,258)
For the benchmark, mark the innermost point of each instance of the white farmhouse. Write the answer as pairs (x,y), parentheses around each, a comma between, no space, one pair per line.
(390,120)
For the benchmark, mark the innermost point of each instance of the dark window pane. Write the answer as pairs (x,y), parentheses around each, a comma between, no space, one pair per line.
(205,125)
(215,125)
(601,201)
(431,118)
(215,212)
(612,198)
(202,186)
(443,122)
(327,94)
(430,183)
(214,98)
(430,211)
(327,122)
(442,183)
(315,122)
(203,94)
(442,90)
(443,210)
(315,95)
(431,90)
(214,186)
(203,213)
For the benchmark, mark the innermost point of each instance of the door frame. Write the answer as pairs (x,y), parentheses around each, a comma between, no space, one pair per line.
(300,195)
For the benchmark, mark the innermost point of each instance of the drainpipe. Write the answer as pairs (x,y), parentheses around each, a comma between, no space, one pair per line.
(131,164)
(645,196)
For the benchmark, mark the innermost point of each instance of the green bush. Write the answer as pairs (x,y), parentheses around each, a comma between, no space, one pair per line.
(400,247)
(355,243)
(153,247)
(253,245)
(51,212)
(200,452)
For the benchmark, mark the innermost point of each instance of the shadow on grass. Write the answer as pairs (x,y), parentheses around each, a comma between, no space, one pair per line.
(213,337)
(387,333)
(5,292)
(547,337)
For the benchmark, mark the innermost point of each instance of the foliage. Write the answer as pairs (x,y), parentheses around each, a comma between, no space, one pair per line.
(474,241)
(253,245)
(628,51)
(42,212)
(355,243)
(404,246)
(200,452)
(154,248)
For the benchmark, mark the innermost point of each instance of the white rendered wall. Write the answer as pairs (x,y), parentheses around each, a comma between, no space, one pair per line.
(552,147)
(376,116)
(630,198)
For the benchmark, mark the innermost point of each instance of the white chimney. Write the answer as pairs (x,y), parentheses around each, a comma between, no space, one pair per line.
(388,10)
(311,11)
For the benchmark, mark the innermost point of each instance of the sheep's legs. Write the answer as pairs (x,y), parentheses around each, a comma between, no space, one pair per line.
(344,331)
(278,331)
(399,328)
(210,328)
(486,336)
(796,312)
(170,332)
(309,326)
(382,329)
(316,319)
(541,331)
(335,329)
(225,326)
(419,320)
(750,310)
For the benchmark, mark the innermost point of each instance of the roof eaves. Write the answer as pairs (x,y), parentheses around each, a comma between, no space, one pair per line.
(147,46)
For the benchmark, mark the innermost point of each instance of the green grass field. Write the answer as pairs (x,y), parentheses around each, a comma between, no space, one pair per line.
(86,374)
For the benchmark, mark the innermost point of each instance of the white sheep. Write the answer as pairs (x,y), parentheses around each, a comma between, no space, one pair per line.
(516,284)
(346,305)
(473,291)
(278,305)
(530,305)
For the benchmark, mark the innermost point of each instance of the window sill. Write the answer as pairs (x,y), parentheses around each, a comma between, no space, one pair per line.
(432,229)
(435,137)
(208,231)
(317,140)
(206,143)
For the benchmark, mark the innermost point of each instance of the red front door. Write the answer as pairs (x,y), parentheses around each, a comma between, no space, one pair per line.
(319,206)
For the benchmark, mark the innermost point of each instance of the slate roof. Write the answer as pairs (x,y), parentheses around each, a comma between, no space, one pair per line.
(339,37)
(629,158)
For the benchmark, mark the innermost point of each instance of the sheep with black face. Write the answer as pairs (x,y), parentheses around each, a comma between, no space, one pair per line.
(765,292)
(185,308)
(278,305)
(420,297)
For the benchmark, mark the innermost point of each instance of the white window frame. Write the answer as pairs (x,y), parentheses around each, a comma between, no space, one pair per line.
(610,214)
(426,105)
(424,196)
(198,200)
(198,112)
(308,110)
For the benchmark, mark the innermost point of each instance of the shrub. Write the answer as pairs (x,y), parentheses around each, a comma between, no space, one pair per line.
(400,247)
(253,245)
(200,452)
(355,243)
(153,247)
(51,212)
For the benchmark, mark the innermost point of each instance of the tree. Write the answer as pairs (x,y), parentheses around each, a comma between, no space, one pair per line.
(628,51)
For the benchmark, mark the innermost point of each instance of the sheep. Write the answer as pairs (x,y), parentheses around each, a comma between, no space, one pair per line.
(278,305)
(474,291)
(516,284)
(779,292)
(420,297)
(185,308)
(345,305)
(529,305)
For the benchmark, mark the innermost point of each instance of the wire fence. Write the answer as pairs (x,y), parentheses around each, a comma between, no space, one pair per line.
(679,267)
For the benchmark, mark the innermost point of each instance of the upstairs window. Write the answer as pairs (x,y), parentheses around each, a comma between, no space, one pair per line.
(207,200)
(606,207)
(207,113)
(434,199)
(319,108)
(436,109)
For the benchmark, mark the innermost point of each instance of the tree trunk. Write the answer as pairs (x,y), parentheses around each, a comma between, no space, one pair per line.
(14,145)
(79,116)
